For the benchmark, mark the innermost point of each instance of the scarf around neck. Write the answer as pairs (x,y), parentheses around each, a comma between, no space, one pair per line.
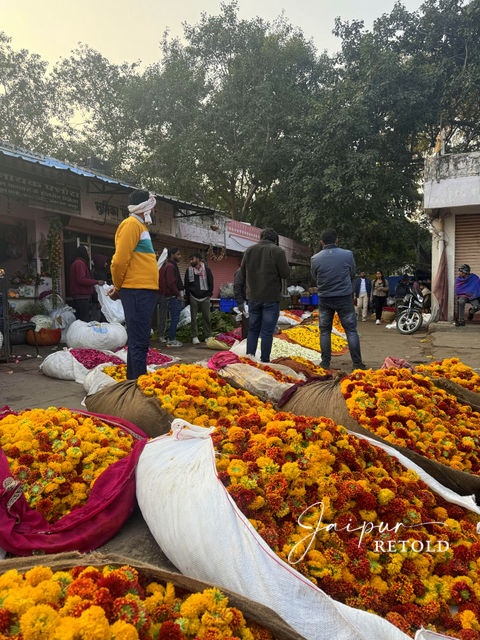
(201,272)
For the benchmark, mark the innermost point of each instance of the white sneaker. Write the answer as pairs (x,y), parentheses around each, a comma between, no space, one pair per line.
(378,322)
(195,340)
(174,343)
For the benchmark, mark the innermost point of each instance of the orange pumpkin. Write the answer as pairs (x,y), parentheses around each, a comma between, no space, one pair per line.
(45,337)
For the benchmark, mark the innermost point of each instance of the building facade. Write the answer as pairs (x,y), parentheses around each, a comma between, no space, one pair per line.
(452,202)
(40,195)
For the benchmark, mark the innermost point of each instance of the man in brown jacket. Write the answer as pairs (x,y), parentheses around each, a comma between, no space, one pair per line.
(264,266)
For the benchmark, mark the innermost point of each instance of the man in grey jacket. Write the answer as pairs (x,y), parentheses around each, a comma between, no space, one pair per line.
(264,266)
(334,270)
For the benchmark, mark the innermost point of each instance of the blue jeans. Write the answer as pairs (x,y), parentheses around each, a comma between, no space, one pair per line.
(173,305)
(262,322)
(138,305)
(345,308)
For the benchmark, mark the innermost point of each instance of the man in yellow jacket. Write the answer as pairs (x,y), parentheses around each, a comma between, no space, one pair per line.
(134,274)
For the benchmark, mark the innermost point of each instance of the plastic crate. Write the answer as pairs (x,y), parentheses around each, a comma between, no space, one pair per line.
(314,298)
(227,304)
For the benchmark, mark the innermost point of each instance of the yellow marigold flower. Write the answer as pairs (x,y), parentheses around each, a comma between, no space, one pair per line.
(38,622)
(94,624)
(469,620)
(68,628)
(291,471)
(122,630)
(237,468)
(38,574)
(385,496)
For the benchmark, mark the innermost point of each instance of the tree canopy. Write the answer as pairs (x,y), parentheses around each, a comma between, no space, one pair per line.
(246,116)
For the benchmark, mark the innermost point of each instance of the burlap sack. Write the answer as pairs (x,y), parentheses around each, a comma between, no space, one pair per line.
(319,398)
(125,399)
(253,611)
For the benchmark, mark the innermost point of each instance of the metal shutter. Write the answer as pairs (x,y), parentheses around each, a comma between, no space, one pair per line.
(467,241)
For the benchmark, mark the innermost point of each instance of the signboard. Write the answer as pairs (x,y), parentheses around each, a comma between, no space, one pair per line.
(40,193)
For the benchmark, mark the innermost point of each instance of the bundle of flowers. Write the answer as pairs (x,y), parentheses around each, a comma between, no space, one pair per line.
(229,338)
(271,371)
(452,369)
(344,513)
(109,602)
(90,358)
(308,335)
(310,367)
(407,409)
(57,455)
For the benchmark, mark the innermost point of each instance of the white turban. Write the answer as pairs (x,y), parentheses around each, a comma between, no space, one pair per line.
(145,208)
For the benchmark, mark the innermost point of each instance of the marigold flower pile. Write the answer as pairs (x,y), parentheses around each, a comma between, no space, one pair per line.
(289,474)
(407,409)
(452,369)
(57,455)
(102,603)
(308,335)
(198,394)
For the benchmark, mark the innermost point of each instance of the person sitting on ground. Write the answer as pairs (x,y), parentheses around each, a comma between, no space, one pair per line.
(467,289)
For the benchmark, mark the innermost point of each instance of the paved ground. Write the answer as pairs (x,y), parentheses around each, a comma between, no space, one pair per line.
(22,385)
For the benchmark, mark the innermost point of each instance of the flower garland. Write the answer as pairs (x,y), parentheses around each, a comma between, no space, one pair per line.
(454,370)
(287,473)
(104,603)
(406,408)
(57,455)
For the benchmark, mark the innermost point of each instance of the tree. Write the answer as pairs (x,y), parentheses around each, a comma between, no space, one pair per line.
(248,86)
(99,97)
(27,99)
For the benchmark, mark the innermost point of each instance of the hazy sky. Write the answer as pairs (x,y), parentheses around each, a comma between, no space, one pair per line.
(131,30)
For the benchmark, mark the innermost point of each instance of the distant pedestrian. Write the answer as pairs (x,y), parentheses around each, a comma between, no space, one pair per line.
(100,273)
(134,272)
(361,290)
(333,269)
(82,284)
(170,289)
(198,291)
(380,289)
(264,266)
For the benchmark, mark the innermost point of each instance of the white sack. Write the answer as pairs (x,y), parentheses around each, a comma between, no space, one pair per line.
(62,318)
(96,335)
(63,366)
(111,309)
(96,379)
(254,380)
(182,499)
(185,316)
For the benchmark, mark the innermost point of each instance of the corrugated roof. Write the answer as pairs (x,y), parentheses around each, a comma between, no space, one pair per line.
(53,163)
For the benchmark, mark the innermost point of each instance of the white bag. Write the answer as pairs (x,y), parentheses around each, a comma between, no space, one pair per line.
(111,309)
(96,379)
(62,318)
(185,316)
(223,547)
(96,335)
